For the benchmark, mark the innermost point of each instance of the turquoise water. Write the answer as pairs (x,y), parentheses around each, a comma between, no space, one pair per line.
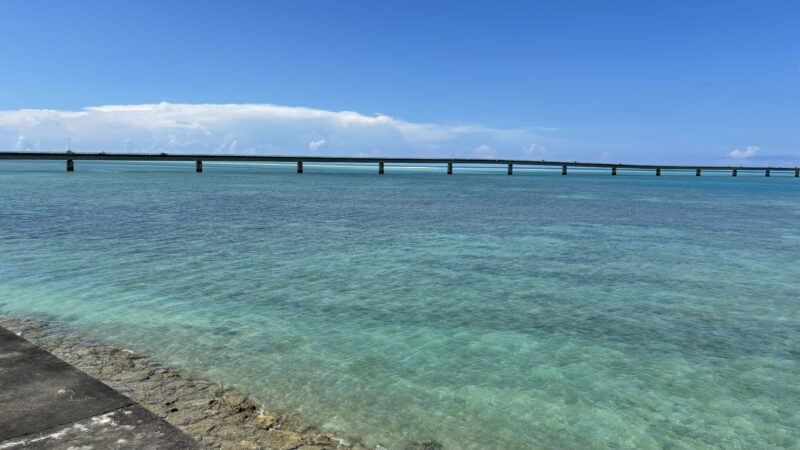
(478,310)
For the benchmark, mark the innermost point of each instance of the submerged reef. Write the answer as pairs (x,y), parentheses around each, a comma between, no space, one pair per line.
(218,417)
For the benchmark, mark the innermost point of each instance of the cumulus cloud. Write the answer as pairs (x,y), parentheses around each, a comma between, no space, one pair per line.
(21,144)
(484,151)
(749,151)
(246,129)
(534,151)
(316,145)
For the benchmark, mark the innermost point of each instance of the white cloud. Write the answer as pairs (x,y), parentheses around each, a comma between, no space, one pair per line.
(246,128)
(534,151)
(749,151)
(484,151)
(22,143)
(316,145)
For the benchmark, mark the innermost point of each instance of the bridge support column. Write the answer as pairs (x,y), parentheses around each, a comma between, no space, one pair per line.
(450,168)
(796,173)
(198,166)
(380,168)
(766,173)
(614,171)
(70,166)
(563,170)
(734,172)
(658,172)
(697,173)
(299,166)
(510,169)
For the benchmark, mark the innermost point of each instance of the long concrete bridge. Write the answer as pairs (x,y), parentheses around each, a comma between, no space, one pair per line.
(71,157)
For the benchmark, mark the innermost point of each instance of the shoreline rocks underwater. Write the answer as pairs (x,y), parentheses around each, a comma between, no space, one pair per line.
(216,416)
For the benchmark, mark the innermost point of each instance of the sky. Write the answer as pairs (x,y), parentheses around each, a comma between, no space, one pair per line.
(605,81)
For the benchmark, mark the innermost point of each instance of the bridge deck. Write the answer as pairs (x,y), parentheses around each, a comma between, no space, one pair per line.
(68,156)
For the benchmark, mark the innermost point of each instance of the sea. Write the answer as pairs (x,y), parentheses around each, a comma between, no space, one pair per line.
(476,311)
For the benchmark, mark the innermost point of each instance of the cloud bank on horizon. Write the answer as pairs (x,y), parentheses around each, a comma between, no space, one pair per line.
(253,129)
(270,129)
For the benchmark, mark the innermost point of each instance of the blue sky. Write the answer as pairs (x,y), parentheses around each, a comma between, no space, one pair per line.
(613,81)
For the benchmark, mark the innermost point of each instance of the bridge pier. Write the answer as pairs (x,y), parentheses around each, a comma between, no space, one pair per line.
(198,166)
(796,173)
(563,170)
(734,172)
(697,173)
(614,171)
(766,173)
(70,166)
(380,168)
(450,168)
(658,172)
(299,166)
(510,169)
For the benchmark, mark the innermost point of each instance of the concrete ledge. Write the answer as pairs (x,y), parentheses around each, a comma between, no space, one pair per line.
(47,403)
(131,427)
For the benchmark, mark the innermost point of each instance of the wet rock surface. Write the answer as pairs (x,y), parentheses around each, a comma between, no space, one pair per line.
(217,417)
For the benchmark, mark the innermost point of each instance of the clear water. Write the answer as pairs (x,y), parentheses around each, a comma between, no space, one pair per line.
(479,310)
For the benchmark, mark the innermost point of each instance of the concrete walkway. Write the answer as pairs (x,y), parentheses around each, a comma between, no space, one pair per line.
(46,403)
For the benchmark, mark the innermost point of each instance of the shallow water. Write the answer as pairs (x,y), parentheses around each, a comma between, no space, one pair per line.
(478,310)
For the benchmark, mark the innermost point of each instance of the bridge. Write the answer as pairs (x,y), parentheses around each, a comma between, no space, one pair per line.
(71,157)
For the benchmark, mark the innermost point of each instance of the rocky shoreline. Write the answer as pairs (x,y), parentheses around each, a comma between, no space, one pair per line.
(218,417)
